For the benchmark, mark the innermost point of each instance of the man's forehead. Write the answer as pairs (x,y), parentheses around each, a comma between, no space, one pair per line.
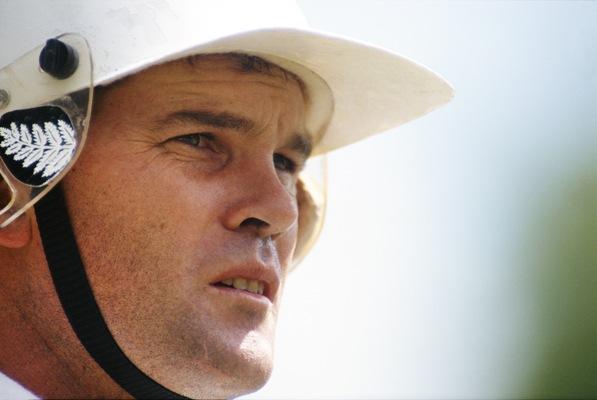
(206,68)
(217,66)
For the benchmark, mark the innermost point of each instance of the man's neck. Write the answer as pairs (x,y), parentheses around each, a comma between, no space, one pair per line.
(39,349)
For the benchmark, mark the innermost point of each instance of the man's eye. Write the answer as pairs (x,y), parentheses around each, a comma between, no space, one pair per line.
(195,139)
(283,163)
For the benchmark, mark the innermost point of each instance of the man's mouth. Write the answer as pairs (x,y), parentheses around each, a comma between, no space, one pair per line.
(249,285)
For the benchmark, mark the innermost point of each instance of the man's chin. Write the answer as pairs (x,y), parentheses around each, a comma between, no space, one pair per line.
(234,367)
(248,365)
(222,374)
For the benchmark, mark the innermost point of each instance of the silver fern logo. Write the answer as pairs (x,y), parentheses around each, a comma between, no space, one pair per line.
(48,149)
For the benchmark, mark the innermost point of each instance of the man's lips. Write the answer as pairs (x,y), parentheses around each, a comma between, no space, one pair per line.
(258,280)
(251,285)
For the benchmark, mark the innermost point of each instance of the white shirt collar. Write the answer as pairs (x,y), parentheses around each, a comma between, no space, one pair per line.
(10,389)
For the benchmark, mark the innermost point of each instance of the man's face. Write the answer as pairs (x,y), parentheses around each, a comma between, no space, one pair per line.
(188,181)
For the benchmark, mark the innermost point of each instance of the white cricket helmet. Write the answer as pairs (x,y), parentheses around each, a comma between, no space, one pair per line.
(355,90)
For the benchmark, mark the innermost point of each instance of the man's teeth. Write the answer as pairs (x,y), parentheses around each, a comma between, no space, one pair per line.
(249,285)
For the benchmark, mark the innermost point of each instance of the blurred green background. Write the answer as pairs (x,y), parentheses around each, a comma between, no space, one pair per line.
(562,251)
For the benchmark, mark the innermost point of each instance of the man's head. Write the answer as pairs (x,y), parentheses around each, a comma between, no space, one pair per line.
(185,192)
(186,204)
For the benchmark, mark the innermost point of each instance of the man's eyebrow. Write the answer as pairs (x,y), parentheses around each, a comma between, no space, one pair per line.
(205,117)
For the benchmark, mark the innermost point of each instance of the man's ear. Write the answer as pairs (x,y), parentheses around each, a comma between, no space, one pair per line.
(18,233)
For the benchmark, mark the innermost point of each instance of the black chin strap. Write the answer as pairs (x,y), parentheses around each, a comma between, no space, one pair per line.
(79,304)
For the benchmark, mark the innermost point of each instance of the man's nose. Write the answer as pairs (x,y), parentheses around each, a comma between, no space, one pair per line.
(260,202)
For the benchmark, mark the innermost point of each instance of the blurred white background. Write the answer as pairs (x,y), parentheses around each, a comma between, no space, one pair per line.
(459,256)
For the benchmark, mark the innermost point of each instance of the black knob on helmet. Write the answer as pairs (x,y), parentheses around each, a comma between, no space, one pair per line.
(58,59)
